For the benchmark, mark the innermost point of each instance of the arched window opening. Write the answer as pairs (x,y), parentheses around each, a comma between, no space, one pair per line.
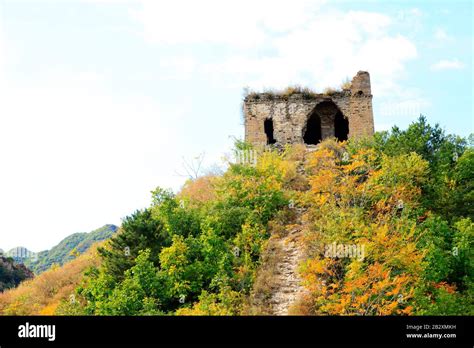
(312,135)
(268,127)
(341,127)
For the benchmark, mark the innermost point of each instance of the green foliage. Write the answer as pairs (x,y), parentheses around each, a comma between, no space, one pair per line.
(441,151)
(224,302)
(174,215)
(430,142)
(436,237)
(67,307)
(463,252)
(183,252)
(405,195)
(135,295)
(442,300)
(139,231)
(459,195)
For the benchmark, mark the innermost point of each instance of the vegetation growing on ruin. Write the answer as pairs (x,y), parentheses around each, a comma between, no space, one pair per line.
(406,196)
(285,94)
(296,90)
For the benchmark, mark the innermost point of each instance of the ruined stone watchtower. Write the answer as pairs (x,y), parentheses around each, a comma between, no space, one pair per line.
(306,117)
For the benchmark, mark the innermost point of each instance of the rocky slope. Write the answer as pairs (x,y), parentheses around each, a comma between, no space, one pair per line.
(11,273)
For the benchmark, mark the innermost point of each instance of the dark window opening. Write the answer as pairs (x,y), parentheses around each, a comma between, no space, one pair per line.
(341,127)
(312,134)
(268,126)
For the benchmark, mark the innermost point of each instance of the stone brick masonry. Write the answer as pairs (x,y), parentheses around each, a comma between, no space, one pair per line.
(310,117)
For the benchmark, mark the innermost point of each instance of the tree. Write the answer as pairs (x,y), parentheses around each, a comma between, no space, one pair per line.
(433,145)
(139,231)
(137,294)
(460,197)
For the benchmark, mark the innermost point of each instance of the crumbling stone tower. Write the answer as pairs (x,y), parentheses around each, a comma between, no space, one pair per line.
(306,117)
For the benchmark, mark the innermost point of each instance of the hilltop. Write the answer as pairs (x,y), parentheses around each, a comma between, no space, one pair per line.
(45,293)
(18,254)
(76,243)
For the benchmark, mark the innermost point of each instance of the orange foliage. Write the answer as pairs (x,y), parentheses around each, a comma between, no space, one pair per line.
(200,190)
(353,200)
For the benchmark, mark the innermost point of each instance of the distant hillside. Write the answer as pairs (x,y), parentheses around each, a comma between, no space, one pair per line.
(11,274)
(45,292)
(63,252)
(19,254)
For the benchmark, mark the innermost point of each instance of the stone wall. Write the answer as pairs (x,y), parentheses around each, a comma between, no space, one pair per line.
(290,113)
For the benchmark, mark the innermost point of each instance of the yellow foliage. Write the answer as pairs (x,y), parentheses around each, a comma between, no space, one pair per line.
(382,282)
(227,302)
(49,309)
(272,163)
(42,294)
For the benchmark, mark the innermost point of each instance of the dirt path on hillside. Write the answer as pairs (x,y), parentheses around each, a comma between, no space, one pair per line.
(288,287)
(278,286)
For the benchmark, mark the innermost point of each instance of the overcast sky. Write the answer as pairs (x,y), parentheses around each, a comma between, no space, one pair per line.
(101,99)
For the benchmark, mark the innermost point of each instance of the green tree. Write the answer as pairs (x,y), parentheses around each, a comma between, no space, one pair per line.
(460,199)
(176,215)
(139,231)
(137,294)
(439,149)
